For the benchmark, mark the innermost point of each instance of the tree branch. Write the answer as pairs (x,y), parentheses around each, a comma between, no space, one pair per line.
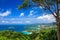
(51,12)
(49,9)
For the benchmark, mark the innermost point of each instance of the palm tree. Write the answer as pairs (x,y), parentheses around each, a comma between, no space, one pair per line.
(47,5)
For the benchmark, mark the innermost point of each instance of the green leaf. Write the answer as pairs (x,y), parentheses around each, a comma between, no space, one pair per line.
(25,4)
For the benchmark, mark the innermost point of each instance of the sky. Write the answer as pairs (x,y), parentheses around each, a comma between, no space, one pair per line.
(10,14)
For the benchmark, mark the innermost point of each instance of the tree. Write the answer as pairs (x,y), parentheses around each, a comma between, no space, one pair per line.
(51,5)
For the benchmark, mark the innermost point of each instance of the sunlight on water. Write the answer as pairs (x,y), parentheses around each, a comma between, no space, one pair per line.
(25,32)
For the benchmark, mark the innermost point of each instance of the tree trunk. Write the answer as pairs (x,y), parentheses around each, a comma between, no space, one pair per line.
(58,28)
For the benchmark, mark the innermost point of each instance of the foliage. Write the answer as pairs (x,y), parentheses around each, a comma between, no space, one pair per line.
(44,34)
(23,5)
(51,34)
(42,3)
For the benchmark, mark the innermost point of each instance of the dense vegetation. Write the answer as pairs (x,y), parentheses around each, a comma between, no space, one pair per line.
(44,34)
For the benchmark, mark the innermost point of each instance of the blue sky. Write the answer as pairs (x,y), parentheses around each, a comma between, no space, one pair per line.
(9,13)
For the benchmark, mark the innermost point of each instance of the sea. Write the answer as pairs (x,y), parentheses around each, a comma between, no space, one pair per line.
(17,28)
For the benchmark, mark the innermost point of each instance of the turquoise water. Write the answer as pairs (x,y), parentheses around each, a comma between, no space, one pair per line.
(26,33)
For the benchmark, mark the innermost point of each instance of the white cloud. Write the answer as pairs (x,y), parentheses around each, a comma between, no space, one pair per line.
(47,18)
(21,14)
(5,13)
(27,21)
(3,21)
(16,22)
(55,14)
(10,22)
(40,7)
(31,13)
(12,19)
